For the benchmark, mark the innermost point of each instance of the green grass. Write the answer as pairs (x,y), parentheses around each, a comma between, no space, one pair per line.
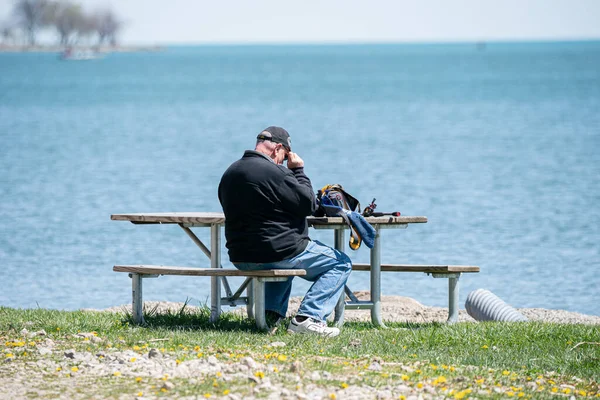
(505,355)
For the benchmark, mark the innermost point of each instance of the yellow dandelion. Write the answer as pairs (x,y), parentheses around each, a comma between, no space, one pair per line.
(74,369)
(582,393)
(58,369)
(24,353)
(276,370)
(282,357)
(199,355)
(460,395)
(132,359)
(344,385)
(259,374)
(165,377)
(566,390)
(384,375)
(137,348)
(138,379)
(332,396)
(485,346)
(219,374)
(444,366)
(57,329)
(140,394)
(207,395)
(215,383)
(505,372)
(178,362)
(31,343)
(452,369)
(405,377)
(520,394)
(164,390)
(550,381)
(402,397)
(510,394)
(10,355)
(479,381)
(117,373)
(226,392)
(418,371)
(554,389)
(420,385)
(196,348)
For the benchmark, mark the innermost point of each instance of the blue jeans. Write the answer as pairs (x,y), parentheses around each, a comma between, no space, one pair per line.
(326,267)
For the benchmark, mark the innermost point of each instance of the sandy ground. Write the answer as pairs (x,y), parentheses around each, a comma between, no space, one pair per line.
(404,309)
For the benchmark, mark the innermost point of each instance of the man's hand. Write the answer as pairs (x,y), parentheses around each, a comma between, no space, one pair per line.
(294,161)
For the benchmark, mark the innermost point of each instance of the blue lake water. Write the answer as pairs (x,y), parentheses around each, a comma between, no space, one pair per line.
(498,147)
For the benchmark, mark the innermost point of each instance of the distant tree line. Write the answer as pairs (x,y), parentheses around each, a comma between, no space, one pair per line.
(67,18)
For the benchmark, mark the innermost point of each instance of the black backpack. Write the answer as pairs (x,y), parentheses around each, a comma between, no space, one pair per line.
(332,200)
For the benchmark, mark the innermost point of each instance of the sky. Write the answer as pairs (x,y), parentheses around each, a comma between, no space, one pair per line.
(347,21)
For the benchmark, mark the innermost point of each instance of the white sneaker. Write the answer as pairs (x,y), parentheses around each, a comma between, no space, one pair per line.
(312,326)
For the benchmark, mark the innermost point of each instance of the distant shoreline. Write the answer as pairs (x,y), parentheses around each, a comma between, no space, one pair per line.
(59,49)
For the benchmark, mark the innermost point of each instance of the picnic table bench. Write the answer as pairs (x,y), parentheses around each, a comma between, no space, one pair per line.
(254,282)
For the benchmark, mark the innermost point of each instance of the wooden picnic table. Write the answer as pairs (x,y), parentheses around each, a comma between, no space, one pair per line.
(216,220)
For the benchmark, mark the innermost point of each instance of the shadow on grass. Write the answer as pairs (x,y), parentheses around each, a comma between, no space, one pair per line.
(198,318)
(193,319)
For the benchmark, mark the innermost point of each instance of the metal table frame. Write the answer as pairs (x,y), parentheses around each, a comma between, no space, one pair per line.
(216,220)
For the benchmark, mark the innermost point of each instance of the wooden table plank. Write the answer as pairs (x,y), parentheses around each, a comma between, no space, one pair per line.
(219,218)
(417,268)
(191,271)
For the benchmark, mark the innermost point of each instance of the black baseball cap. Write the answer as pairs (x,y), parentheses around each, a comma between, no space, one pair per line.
(276,135)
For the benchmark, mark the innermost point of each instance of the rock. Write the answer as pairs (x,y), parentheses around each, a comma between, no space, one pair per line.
(355,343)
(375,367)
(70,354)
(49,342)
(212,360)
(278,344)
(315,376)
(296,367)
(24,332)
(168,385)
(44,351)
(40,333)
(249,361)
(254,379)
(96,339)
(153,353)
(384,394)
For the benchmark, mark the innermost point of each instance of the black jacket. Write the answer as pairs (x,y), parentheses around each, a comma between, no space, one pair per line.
(265,208)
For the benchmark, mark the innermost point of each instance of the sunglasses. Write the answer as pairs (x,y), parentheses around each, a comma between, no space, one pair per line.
(263,137)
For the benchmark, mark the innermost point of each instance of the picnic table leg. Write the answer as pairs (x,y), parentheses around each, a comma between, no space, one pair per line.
(137,302)
(452,295)
(338,318)
(376,280)
(215,281)
(258,287)
(250,298)
(453,298)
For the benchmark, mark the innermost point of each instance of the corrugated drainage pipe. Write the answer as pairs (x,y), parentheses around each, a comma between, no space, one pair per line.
(484,305)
